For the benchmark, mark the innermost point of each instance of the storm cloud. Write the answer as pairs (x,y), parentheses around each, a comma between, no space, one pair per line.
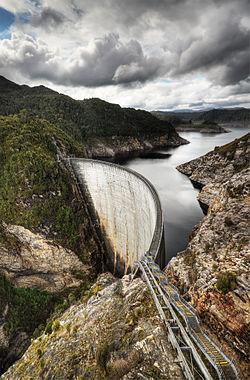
(105,62)
(117,43)
(48,18)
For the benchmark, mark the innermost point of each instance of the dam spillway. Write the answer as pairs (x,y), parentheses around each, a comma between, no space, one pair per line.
(127,209)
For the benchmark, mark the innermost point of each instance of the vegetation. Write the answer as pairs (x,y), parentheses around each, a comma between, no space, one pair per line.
(36,192)
(222,115)
(235,115)
(80,119)
(188,123)
(226,282)
(27,308)
(39,194)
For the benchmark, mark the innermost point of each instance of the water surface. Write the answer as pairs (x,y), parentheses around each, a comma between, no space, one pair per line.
(181,209)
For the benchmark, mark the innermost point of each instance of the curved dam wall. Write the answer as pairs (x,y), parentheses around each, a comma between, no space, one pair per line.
(127,209)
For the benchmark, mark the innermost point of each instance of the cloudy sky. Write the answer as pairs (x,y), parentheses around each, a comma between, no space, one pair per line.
(151,54)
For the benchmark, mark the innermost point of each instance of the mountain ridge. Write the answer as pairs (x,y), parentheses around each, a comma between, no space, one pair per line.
(107,129)
(218,115)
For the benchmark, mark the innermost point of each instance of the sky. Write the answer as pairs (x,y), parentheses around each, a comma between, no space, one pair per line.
(149,54)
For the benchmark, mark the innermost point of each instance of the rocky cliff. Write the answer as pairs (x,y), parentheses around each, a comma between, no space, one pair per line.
(125,147)
(212,170)
(35,275)
(113,332)
(213,272)
(30,260)
(205,127)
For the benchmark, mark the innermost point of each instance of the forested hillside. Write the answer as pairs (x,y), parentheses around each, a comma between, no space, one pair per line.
(220,116)
(81,118)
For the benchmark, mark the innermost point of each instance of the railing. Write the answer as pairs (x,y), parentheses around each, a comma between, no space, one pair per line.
(189,326)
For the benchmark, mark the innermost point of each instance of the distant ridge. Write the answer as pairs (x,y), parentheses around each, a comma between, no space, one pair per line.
(217,115)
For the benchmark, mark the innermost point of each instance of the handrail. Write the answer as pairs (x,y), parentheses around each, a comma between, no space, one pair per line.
(224,366)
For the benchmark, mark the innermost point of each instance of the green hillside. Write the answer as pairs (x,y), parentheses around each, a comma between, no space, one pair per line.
(35,191)
(80,118)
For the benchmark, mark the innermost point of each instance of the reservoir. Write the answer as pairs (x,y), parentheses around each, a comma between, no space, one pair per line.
(181,209)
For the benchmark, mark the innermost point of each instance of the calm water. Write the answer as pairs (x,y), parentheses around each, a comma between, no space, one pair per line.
(178,197)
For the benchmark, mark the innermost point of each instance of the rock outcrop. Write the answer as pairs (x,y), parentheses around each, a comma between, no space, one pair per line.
(213,272)
(30,260)
(127,147)
(113,333)
(205,127)
(212,170)
(35,274)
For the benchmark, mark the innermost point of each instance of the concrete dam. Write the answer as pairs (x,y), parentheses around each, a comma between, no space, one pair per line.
(127,209)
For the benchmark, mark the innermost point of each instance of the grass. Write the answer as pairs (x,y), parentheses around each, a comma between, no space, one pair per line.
(27,308)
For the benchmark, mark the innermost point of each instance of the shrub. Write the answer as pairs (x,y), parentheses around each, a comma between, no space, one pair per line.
(226,282)
(228,221)
(103,354)
(120,367)
(56,325)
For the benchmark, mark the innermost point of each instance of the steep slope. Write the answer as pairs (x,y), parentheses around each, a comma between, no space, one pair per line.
(217,167)
(52,225)
(91,121)
(114,333)
(213,272)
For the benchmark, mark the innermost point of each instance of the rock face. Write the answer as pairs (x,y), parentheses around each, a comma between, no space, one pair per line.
(39,271)
(29,260)
(115,334)
(126,147)
(213,272)
(205,127)
(212,170)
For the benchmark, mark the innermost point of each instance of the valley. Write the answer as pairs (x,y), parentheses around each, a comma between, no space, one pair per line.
(53,259)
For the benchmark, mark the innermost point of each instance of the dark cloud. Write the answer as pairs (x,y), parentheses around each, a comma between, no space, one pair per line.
(109,61)
(127,42)
(225,46)
(236,69)
(47,18)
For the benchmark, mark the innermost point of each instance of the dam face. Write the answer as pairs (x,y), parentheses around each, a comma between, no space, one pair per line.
(127,209)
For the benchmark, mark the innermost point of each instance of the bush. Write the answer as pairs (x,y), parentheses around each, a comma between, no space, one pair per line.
(102,355)
(120,367)
(228,221)
(56,325)
(226,282)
